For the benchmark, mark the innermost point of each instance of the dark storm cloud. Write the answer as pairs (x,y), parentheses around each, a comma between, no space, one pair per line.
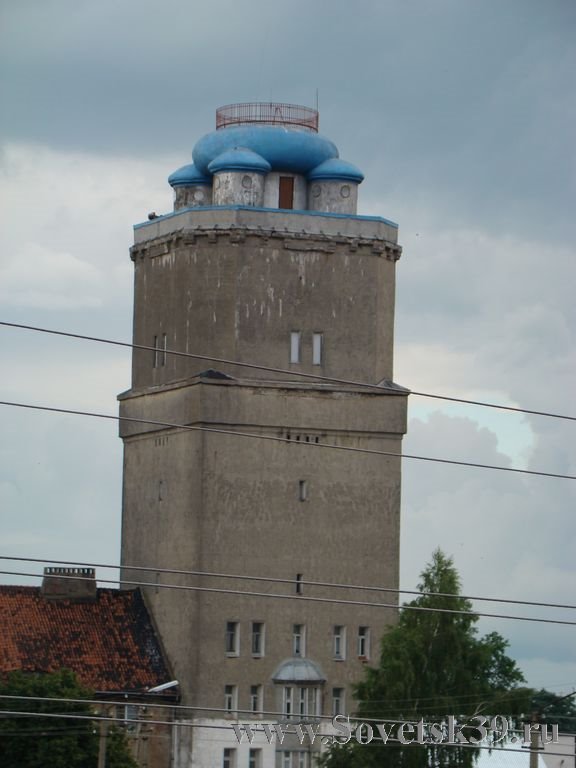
(464,101)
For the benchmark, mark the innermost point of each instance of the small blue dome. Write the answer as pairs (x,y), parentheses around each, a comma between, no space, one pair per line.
(285,149)
(239,159)
(188,175)
(336,169)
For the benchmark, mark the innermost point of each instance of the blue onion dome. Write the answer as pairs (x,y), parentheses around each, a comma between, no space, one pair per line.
(239,159)
(188,176)
(284,148)
(337,170)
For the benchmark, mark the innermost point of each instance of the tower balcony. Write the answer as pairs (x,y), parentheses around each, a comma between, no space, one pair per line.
(268,113)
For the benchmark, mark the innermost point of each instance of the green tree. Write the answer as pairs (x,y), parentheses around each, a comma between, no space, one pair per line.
(58,742)
(433,664)
(553,709)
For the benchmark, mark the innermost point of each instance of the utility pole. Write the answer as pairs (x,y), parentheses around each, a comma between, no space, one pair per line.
(536,730)
(534,733)
(102,744)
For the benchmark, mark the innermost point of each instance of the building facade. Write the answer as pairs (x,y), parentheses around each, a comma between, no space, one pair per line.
(238,473)
(106,638)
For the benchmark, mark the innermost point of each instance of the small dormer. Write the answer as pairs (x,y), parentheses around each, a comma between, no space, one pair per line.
(239,177)
(191,188)
(333,187)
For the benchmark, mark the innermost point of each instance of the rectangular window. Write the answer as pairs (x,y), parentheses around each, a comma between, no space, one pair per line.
(160,347)
(232,638)
(230,698)
(302,759)
(287,701)
(313,702)
(299,585)
(156,359)
(364,642)
(255,758)
(256,699)
(317,344)
(229,758)
(302,702)
(302,490)
(339,642)
(295,338)
(286,759)
(131,714)
(286,192)
(337,701)
(257,638)
(298,640)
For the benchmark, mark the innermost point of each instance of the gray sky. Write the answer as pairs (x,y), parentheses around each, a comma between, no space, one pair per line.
(461,115)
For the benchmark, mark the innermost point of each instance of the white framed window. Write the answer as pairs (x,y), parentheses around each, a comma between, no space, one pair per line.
(313,702)
(256,699)
(295,344)
(338,701)
(295,759)
(317,348)
(298,640)
(257,638)
(232,639)
(255,758)
(302,759)
(287,701)
(131,714)
(364,642)
(302,701)
(229,758)
(230,698)
(339,642)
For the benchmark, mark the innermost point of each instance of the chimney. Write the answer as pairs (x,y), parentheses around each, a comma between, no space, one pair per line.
(69,584)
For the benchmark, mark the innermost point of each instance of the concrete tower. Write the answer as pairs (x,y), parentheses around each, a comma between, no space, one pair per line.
(264,260)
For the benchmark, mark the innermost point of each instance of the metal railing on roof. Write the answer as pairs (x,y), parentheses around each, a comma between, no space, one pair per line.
(267,113)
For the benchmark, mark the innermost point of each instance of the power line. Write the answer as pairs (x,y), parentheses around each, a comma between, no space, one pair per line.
(285,371)
(277,580)
(137,699)
(305,598)
(320,735)
(349,448)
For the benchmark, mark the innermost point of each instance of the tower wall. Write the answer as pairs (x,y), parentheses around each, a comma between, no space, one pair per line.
(222,503)
(238,473)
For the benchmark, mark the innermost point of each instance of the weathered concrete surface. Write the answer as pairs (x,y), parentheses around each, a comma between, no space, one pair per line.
(263,221)
(234,283)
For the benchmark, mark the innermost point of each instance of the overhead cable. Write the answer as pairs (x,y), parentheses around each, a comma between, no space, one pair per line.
(188,724)
(288,372)
(303,598)
(254,436)
(277,580)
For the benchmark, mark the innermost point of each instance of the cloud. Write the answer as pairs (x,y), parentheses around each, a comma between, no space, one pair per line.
(37,277)
(457,147)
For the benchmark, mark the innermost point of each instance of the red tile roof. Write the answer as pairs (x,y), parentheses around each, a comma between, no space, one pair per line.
(109,643)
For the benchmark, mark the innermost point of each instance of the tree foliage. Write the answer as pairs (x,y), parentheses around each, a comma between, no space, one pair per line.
(58,742)
(556,710)
(433,664)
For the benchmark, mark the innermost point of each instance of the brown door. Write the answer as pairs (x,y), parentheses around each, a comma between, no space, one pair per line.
(286,192)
